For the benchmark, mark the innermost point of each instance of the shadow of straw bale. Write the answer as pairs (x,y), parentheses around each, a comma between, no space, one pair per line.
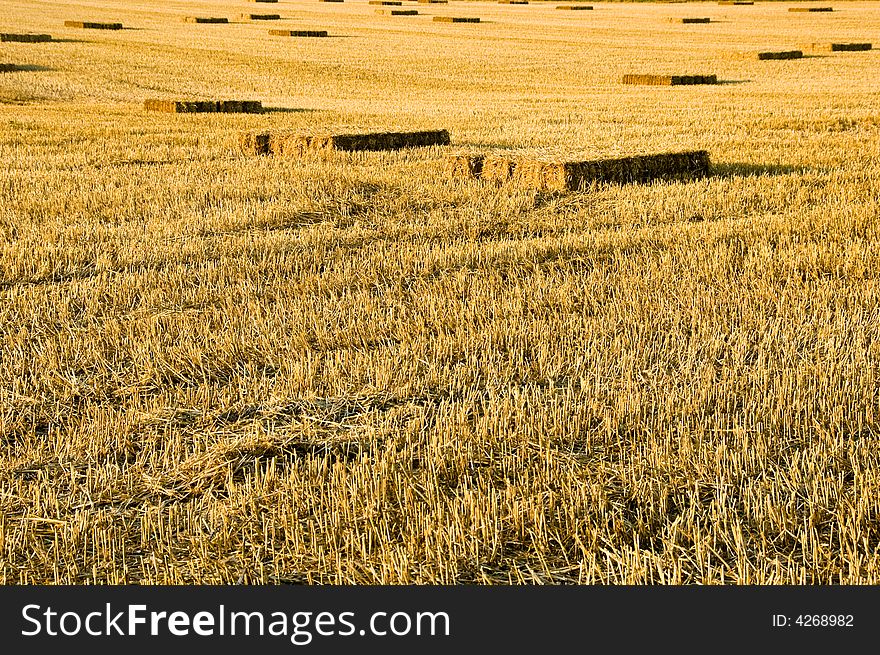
(742,169)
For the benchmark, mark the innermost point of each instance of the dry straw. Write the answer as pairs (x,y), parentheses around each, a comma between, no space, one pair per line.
(782,54)
(204,19)
(398,12)
(92,26)
(670,80)
(690,20)
(810,9)
(455,19)
(736,2)
(298,33)
(205,106)
(261,16)
(576,7)
(513,2)
(296,144)
(394,3)
(26,38)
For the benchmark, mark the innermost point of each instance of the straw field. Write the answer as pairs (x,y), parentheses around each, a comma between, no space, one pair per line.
(220,367)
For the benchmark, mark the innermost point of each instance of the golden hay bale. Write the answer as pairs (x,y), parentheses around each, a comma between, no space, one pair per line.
(468,165)
(513,2)
(204,106)
(576,7)
(297,144)
(736,2)
(810,9)
(298,33)
(669,80)
(837,47)
(687,21)
(497,168)
(782,54)
(256,143)
(204,19)
(398,12)
(262,16)
(92,26)
(25,38)
(455,19)
(394,3)
(263,1)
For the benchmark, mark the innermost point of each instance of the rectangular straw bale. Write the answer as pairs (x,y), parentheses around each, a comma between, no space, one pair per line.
(256,143)
(455,19)
(398,12)
(736,2)
(272,1)
(298,33)
(433,2)
(26,38)
(393,3)
(837,47)
(669,80)
(204,19)
(92,26)
(204,106)
(497,168)
(260,16)
(784,54)
(690,20)
(283,143)
(571,176)
(810,9)
(513,2)
(468,166)
(576,7)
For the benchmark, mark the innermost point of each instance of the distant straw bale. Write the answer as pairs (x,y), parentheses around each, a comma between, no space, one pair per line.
(393,3)
(205,106)
(92,26)
(690,20)
(260,16)
(204,19)
(810,9)
(398,12)
(297,144)
(298,33)
(837,47)
(736,2)
(782,54)
(670,80)
(25,38)
(576,7)
(456,19)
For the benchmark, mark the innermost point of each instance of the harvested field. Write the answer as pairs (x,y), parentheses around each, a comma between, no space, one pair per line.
(270,16)
(296,144)
(669,80)
(351,368)
(298,33)
(205,106)
(398,12)
(25,38)
(204,19)
(780,54)
(456,19)
(837,47)
(92,26)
